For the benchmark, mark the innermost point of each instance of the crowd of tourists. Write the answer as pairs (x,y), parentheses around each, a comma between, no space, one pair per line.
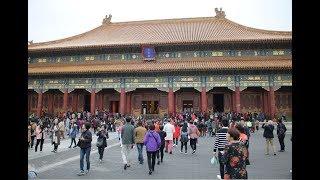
(159,136)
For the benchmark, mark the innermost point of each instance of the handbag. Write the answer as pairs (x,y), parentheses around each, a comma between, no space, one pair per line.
(99,142)
(214,161)
(81,143)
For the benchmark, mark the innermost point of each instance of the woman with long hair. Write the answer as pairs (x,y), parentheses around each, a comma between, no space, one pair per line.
(184,137)
(102,141)
(40,137)
(55,135)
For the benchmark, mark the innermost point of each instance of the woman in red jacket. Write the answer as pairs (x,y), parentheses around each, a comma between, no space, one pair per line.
(176,134)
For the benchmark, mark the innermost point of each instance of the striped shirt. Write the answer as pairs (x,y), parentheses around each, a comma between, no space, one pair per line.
(221,139)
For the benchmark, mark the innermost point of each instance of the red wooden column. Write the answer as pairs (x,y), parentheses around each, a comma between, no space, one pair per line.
(272,105)
(170,102)
(237,98)
(50,103)
(93,102)
(39,106)
(101,101)
(234,101)
(204,103)
(174,104)
(122,101)
(128,103)
(65,101)
(265,103)
(75,102)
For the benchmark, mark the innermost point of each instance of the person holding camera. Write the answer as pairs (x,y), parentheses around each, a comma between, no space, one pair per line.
(102,141)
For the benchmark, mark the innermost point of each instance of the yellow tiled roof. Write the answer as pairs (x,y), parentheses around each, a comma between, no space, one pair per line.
(188,64)
(167,31)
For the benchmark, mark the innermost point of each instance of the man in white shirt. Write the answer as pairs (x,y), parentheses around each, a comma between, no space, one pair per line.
(169,129)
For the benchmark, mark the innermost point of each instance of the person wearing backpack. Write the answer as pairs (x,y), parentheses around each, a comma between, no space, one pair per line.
(194,135)
(73,134)
(152,142)
(184,137)
(102,141)
(281,132)
(162,135)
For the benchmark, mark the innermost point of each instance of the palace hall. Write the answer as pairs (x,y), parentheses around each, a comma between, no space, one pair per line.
(163,67)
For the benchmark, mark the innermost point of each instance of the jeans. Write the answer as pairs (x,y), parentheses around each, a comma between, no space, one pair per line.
(32,140)
(140,150)
(160,151)
(125,151)
(85,151)
(175,141)
(281,141)
(73,140)
(41,144)
(151,160)
(55,146)
(193,144)
(221,163)
(168,145)
(100,150)
(185,146)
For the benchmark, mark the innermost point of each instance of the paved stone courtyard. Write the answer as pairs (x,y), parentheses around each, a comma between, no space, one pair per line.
(65,163)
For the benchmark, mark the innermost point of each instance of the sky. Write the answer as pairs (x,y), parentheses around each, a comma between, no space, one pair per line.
(56,19)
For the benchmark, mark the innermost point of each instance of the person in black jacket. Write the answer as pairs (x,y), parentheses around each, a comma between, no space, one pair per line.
(162,134)
(219,145)
(85,147)
(102,141)
(281,132)
(268,134)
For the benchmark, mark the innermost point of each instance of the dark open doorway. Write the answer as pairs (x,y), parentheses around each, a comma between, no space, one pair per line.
(87,102)
(114,106)
(188,106)
(218,101)
(150,107)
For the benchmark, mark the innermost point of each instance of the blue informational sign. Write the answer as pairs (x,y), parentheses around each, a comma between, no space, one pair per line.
(148,53)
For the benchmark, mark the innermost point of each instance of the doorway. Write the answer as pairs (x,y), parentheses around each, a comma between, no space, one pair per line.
(87,102)
(218,102)
(114,106)
(187,106)
(150,107)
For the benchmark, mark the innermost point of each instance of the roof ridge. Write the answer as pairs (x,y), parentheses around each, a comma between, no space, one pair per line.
(259,30)
(64,39)
(165,20)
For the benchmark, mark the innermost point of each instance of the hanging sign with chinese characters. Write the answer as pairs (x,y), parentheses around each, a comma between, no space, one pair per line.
(148,53)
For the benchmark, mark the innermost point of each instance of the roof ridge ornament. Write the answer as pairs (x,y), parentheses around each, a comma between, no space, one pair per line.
(220,13)
(107,19)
